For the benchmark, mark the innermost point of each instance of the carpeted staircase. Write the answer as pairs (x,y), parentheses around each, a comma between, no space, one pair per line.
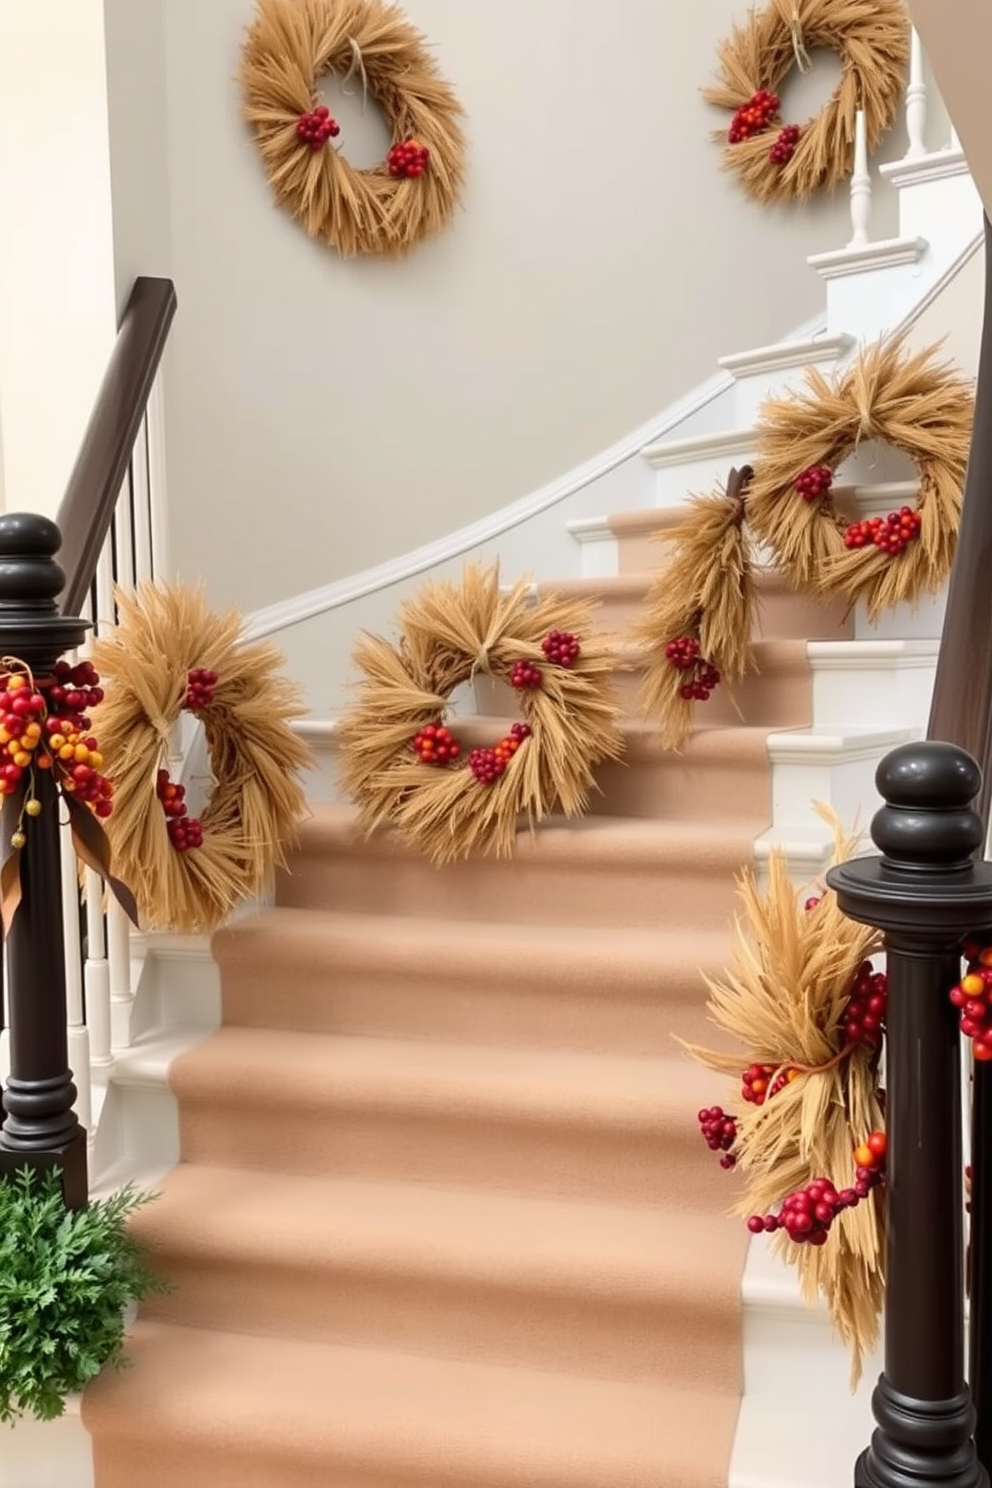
(443,1217)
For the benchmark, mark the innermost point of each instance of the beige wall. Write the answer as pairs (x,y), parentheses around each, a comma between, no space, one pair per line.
(324,416)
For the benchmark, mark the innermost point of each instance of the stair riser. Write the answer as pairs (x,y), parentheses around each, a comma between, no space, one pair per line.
(688,889)
(638,1338)
(557,1157)
(886,696)
(619,1012)
(678,788)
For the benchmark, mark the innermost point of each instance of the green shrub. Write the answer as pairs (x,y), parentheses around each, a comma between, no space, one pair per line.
(66,1277)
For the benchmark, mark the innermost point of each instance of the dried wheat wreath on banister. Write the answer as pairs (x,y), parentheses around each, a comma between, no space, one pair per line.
(402,760)
(413,192)
(775,160)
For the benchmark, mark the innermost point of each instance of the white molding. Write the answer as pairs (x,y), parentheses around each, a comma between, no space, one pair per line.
(936,166)
(679,451)
(831,747)
(940,284)
(887,253)
(785,355)
(865,656)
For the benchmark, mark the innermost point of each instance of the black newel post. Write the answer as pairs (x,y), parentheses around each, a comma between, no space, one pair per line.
(925,892)
(39,1128)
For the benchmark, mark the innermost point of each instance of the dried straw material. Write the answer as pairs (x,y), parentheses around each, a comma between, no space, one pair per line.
(289,46)
(451,633)
(782,1002)
(162,635)
(871,37)
(906,399)
(704,591)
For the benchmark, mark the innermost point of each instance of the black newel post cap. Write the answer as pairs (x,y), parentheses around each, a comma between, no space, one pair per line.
(927,822)
(29,575)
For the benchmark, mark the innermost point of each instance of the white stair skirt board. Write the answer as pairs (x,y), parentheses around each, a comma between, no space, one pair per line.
(48,1454)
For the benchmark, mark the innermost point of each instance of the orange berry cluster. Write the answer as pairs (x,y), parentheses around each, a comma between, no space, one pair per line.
(892,533)
(487,765)
(409,158)
(46,727)
(436,745)
(754,116)
(972,996)
(755,1082)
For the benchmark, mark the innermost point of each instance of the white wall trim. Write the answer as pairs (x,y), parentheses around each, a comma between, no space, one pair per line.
(301,607)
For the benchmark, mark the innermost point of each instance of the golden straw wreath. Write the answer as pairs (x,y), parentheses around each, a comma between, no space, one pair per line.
(772,159)
(408,765)
(292,44)
(167,654)
(807,1012)
(891,395)
(695,630)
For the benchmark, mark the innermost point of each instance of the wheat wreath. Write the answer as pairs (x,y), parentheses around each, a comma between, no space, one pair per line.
(776,161)
(402,760)
(890,395)
(169,654)
(290,45)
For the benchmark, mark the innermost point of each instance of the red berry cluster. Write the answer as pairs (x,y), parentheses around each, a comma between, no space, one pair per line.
(184,831)
(972,996)
(785,144)
(807,1214)
(812,902)
(436,745)
(683,653)
(47,727)
(317,127)
(755,1082)
(487,765)
(719,1132)
(562,648)
(410,158)
(200,685)
(754,116)
(892,533)
(813,482)
(863,1021)
(526,675)
(702,684)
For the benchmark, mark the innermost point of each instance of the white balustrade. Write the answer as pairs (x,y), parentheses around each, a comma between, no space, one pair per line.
(916,101)
(860,185)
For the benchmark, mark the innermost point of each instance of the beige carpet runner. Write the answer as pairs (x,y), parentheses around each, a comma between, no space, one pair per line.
(443,1217)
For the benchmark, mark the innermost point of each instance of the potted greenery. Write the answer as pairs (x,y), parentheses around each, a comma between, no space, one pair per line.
(66,1280)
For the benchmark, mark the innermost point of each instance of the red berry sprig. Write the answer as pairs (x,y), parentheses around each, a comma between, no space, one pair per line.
(807,1215)
(813,482)
(755,1086)
(754,116)
(184,831)
(863,1020)
(200,687)
(702,684)
(487,765)
(683,653)
(562,648)
(785,144)
(526,676)
(972,996)
(436,745)
(719,1132)
(409,158)
(317,127)
(892,534)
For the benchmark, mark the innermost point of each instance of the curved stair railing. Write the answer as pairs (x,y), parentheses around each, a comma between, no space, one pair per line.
(67,983)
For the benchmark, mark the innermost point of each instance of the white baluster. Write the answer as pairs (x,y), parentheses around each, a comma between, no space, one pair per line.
(916,100)
(141,512)
(155,421)
(860,185)
(77,1031)
(119,957)
(124,537)
(105,579)
(96,974)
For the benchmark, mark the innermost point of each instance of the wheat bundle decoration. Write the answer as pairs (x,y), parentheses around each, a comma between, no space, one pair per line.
(808,1013)
(401,759)
(412,193)
(696,627)
(169,654)
(774,160)
(906,399)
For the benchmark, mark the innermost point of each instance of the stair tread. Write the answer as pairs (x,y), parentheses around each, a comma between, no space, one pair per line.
(453,1078)
(267,1400)
(608,1251)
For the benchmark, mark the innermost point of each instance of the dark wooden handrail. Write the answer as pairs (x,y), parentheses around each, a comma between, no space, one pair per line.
(961,711)
(94,486)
